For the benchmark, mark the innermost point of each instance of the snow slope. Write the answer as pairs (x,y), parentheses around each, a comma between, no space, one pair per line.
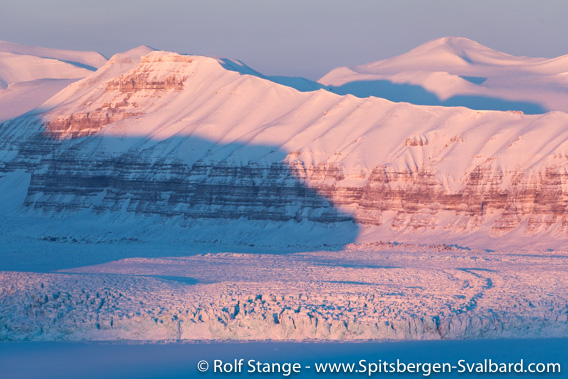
(86,59)
(30,75)
(299,83)
(22,97)
(457,71)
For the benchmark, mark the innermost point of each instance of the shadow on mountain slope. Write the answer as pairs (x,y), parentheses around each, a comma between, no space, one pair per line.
(474,79)
(298,83)
(105,189)
(81,65)
(416,94)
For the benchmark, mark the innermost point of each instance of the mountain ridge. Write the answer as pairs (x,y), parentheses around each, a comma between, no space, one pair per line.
(460,72)
(90,60)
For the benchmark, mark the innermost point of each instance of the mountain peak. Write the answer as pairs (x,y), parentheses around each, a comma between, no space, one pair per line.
(463,48)
(132,55)
(456,71)
(456,55)
(451,42)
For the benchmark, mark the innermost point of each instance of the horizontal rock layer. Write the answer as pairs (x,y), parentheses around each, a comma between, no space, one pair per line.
(418,198)
(65,180)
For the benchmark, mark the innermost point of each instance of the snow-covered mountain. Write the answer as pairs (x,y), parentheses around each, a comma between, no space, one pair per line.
(30,75)
(157,141)
(459,72)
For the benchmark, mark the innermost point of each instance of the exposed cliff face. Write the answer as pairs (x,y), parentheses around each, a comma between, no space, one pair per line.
(419,199)
(203,190)
(181,137)
(123,95)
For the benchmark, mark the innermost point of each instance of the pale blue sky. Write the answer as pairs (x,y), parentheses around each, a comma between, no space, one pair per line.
(292,37)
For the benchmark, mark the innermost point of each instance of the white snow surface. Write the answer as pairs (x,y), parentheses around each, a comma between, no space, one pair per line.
(85,58)
(459,71)
(30,75)
(22,97)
